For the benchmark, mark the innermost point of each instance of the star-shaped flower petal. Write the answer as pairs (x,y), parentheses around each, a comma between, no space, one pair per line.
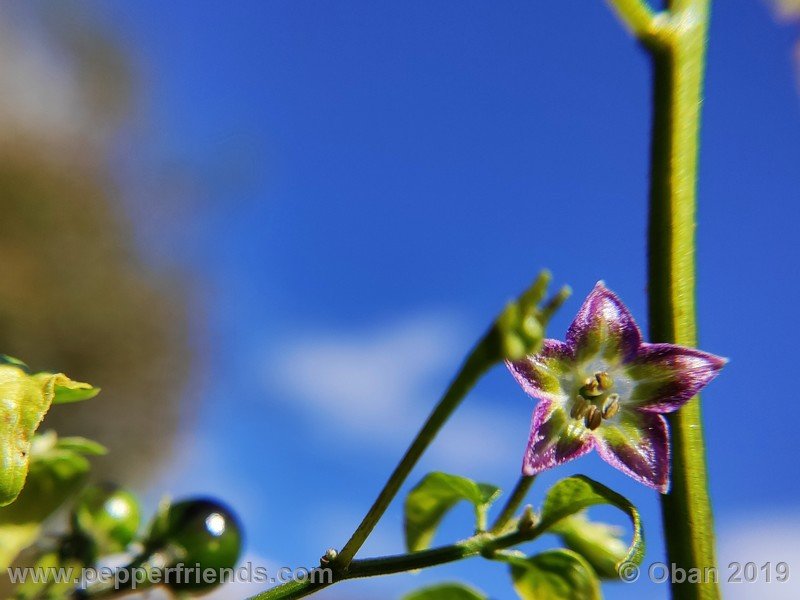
(606,389)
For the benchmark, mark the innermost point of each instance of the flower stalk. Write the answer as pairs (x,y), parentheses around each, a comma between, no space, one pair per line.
(514,501)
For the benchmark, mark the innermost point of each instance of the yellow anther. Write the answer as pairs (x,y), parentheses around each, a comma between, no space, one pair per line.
(611,406)
(591,388)
(579,407)
(604,380)
(593,417)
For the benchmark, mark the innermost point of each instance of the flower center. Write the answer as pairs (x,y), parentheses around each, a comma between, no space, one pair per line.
(595,400)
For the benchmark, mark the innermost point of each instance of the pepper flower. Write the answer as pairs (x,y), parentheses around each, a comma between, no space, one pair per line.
(606,389)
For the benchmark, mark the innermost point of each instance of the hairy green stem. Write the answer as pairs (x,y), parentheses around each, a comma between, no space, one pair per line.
(677,40)
(679,65)
(514,501)
(678,96)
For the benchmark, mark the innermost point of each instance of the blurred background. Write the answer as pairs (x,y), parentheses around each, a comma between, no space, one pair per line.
(271,230)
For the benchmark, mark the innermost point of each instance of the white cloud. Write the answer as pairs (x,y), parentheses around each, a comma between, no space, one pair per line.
(376,388)
(760,538)
(366,381)
(480,438)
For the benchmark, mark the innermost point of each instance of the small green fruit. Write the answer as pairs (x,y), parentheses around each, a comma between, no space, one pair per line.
(107,514)
(200,533)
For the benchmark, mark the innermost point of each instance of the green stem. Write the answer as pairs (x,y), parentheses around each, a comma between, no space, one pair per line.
(483,356)
(678,83)
(637,16)
(518,331)
(482,544)
(677,41)
(514,501)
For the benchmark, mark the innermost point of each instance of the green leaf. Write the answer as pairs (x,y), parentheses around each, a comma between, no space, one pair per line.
(65,390)
(446,591)
(599,543)
(55,475)
(81,445)
(575,494)
(436,494)
(5,359)
(24,400)
(555,575)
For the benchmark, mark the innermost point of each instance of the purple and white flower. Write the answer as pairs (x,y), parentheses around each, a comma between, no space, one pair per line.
(606,389)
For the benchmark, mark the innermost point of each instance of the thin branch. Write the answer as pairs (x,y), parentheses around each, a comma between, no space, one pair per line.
(479,361)
(482,544)
(516,498)
(638,17)
(510,334)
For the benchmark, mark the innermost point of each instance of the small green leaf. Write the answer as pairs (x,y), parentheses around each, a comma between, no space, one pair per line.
(599,543)
(436,494)
(555,575)
(55,475)
(575,494)
(446,591)
(5,359)
(81,445)
(65,390)
(24,400)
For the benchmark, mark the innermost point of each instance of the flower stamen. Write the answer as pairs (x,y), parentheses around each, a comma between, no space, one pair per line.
(596,386)
(593,403)
(579,408)
(604,380)
(593,417)
(611,406)
(591,388)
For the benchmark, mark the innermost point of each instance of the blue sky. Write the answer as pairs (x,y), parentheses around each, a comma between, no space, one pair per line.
(370,182)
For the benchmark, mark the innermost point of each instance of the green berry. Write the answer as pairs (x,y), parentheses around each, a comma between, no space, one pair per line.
(108,515)
(200,533)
